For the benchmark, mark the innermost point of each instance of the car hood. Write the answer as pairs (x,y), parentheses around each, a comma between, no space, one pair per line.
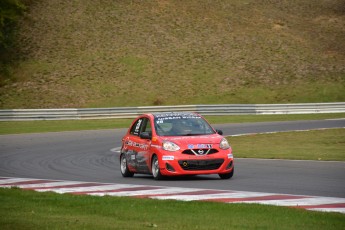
(195,140)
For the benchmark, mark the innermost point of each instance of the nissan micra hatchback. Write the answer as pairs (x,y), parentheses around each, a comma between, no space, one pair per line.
(172,144)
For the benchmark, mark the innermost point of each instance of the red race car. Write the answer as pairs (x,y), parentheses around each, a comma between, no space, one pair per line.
(171,144)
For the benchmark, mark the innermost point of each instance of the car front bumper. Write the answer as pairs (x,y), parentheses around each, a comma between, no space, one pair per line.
(181,164)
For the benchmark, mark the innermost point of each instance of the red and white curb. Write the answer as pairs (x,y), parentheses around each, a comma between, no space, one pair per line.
(315,203)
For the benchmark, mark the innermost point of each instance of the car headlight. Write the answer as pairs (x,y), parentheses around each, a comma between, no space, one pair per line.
(170,146)
(224,144)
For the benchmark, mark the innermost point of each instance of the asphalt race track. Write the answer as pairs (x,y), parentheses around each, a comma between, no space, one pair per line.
(92,156)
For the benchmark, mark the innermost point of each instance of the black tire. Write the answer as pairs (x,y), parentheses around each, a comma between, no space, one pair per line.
(124,167)
(155,169)
(227,175)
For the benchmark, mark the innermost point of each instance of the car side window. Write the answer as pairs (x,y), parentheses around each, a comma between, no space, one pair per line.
(141,125)
(147,126)
(135,130)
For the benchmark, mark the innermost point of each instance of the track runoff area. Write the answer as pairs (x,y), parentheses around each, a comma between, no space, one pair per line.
(314,203)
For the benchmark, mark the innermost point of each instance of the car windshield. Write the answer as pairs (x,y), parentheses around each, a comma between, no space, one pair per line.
(181,125)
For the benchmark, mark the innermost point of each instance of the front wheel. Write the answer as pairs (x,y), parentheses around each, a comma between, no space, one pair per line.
(155,168)
(227,175)
(124,167)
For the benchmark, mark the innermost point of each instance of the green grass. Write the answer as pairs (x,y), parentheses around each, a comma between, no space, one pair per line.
(32,210)
(271,118)
(328,145)
(14,127)
(84,53)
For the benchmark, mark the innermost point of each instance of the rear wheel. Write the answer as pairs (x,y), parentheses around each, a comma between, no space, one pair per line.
(155,168)
(124,167)
(227,175)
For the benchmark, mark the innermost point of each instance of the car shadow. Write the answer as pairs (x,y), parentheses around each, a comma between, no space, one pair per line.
(181,178)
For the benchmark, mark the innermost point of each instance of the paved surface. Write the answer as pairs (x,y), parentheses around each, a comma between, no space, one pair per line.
(87,156)
(263,127)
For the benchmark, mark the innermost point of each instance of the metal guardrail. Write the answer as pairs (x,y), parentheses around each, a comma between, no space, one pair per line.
(130,112)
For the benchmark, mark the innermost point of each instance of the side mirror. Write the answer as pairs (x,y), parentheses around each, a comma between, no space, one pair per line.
(220,132)
(145,135)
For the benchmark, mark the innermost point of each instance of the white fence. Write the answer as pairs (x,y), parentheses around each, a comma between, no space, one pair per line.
(130,112)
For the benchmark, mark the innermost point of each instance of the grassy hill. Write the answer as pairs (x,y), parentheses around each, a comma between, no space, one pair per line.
(86,53)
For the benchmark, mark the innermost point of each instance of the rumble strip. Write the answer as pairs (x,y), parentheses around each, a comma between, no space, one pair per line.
(315,203)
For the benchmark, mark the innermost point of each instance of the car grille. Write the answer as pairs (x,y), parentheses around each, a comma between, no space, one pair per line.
(206,151)
(200,164)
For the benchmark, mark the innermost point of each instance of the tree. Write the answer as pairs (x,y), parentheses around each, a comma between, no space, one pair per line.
(10,10)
